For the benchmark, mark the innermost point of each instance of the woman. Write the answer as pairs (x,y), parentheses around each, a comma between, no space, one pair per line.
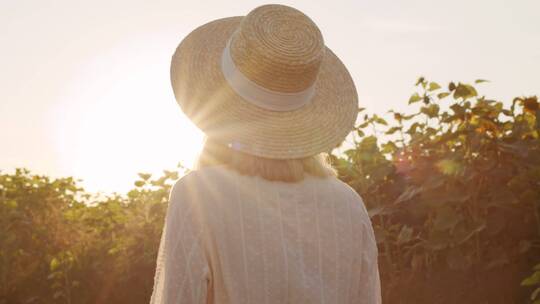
(264,219)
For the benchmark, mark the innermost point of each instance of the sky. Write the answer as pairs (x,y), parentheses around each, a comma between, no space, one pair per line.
(85,89)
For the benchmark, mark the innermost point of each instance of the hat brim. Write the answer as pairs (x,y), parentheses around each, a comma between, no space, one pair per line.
(206,98)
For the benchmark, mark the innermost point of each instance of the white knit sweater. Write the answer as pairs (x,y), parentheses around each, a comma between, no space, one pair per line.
(232,239)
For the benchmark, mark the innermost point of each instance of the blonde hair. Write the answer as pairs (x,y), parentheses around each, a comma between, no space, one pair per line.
(286,170)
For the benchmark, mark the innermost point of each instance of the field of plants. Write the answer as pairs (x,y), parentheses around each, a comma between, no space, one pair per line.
(452,188)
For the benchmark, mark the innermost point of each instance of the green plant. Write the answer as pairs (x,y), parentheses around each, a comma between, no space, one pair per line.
(534,281)
(452,187)
(59,244)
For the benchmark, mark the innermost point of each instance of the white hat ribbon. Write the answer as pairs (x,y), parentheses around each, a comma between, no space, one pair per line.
(258,95)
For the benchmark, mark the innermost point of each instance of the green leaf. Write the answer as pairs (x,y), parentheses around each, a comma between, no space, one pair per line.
(363,125)
(379,120)
(139,183)
(408,117)
(412,128)
(433,86)
(392,130)
(532,280)
(389,147)
(414,98)
(458,110)
(535,294)
(145,176)
(465,91)
(431,111)
(442,95)
(480,81)
(54,264)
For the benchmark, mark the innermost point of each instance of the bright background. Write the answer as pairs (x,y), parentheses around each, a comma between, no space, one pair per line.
(85,92)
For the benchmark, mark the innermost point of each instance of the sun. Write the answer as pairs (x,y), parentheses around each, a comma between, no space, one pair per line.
(119,117)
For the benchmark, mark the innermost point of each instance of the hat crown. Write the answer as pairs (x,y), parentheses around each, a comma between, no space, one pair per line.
(278,48)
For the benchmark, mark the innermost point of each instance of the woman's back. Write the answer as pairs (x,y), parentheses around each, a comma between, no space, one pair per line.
(243,239)
(272,100)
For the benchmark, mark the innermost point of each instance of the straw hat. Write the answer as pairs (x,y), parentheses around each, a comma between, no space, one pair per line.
(265,84)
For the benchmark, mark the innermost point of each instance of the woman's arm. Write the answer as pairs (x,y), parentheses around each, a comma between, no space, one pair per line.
(182,272)
(370,282)
(369,289)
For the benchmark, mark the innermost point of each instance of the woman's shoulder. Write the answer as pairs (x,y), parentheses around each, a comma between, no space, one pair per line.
(217,172)
(343,190)
(211,176)
(337,184)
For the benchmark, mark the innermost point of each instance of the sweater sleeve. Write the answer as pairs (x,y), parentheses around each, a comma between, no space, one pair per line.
(182,272)
(370,284)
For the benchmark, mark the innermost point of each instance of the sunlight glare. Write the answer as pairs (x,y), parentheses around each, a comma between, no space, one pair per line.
(120,118)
